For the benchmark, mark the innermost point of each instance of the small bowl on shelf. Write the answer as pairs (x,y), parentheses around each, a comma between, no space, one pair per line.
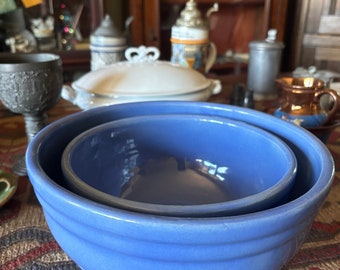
(180,165)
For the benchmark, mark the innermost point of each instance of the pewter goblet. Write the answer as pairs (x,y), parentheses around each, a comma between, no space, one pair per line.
(30,84)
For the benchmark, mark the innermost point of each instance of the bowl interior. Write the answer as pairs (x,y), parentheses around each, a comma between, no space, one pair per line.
(160,163)
(309,165)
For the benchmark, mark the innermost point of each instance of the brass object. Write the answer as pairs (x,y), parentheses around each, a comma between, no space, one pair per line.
(301,102)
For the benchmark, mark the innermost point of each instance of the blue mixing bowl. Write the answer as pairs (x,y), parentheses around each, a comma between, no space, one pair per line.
(180,165)
(97,236)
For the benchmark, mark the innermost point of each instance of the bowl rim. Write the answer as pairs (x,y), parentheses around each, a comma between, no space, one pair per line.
(42,182)
(261,200)
(19,62)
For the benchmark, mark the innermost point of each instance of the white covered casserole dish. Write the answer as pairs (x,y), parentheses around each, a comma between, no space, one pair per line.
(141,78)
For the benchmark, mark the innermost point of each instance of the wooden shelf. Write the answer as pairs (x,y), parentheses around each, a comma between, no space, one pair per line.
(75,60)
(233,27)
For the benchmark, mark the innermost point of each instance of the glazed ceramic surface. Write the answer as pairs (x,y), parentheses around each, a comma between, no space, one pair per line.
(91,233)
(190,45)
(107,44)
(87,101)
(180,165)
(8,186)
(141,78)
(302,102)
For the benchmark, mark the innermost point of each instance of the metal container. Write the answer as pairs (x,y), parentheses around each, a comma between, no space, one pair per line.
(264,66)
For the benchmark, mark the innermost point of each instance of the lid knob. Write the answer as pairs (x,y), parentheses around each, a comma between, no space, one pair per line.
(107,28)
(190,16)
(271,35)
(142,54)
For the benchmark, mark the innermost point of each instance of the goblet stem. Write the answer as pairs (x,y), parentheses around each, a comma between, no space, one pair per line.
(34,123)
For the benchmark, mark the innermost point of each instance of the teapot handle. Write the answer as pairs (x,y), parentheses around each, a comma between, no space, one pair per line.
(212,54)
(335,108)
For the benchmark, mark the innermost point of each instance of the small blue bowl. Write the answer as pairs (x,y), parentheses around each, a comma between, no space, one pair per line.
(180,165)
(97,236)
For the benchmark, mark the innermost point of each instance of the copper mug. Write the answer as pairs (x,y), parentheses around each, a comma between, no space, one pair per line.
(301,102)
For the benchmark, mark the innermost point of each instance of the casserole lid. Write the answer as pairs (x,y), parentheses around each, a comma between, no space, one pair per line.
(142,75)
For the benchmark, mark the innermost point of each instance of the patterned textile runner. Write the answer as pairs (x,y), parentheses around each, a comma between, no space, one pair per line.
(26,242)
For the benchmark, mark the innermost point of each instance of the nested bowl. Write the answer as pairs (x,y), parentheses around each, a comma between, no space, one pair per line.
(180,165)
(97,236)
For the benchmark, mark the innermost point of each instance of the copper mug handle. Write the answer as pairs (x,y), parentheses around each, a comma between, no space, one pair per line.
(331,113)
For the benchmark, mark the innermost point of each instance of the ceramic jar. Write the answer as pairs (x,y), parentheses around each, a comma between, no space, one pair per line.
(107,45)
(190,45)
(301,102)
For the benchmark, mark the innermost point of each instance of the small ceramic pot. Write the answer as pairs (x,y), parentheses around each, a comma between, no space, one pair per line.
(199,55)
(301,103)
(190,39)
(107,45)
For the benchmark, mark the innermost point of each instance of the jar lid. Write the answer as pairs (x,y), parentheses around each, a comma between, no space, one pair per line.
(269,43)
(107,28)
(190,16)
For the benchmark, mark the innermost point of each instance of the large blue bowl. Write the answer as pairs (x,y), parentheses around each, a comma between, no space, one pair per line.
(96,236)
(180,165)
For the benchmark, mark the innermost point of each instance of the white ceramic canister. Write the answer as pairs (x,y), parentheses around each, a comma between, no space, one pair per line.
(190,40)
(107,45)
(264,66)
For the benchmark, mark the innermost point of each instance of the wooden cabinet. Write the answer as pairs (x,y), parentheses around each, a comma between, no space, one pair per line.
(232,28)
